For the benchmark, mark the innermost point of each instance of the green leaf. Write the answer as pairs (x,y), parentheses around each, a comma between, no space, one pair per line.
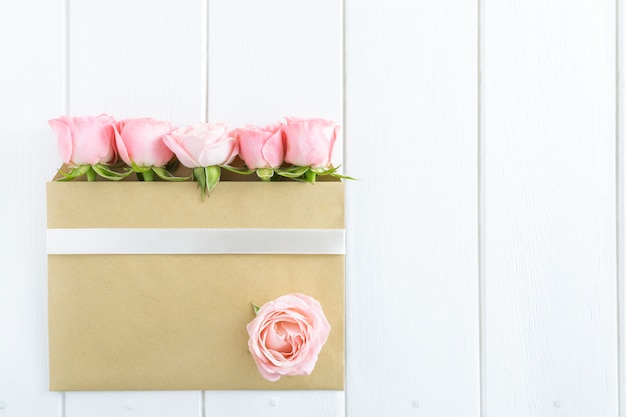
(256,308)
(296,170)
(332,172)
(147,176)
(265,174)
(166,175)
(91,175)
(75,172)
(207,178)
(212,176)
(324,171)
(236,170)
(345,177)
(140,170)
(106,172)
(198,174)
(310,176)
(81,169)
(293,172)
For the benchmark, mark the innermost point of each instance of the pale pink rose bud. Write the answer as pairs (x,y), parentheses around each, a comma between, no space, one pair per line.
(309,142)
(261,147)
(202,145)
(287,335)
(141,141)
(85,140)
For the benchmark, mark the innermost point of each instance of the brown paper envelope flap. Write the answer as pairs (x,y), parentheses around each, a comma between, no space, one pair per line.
(232,204)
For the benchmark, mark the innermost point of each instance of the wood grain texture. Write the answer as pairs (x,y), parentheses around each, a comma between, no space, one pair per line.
(411,123)
(549,92)
(621,206)
(137,59)
(31,86)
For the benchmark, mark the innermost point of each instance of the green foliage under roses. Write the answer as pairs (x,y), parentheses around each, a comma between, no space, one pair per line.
(207,178)
(91,171)
(309,174)
(303,174)
(147,174)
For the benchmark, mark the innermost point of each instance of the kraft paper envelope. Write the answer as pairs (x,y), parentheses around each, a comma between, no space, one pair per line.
(178,321)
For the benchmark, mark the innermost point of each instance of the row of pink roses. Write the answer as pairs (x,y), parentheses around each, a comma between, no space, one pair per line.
(91,145)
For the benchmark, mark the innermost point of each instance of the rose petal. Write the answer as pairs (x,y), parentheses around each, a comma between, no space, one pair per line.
(204,145)
(309,142)
(64,139)
(121,147)
(142,142)
(181,153)
(261,147)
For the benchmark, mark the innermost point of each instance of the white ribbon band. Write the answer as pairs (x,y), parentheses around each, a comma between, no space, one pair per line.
(195,241)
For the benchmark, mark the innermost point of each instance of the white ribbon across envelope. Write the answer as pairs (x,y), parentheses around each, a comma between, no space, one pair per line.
(195,241)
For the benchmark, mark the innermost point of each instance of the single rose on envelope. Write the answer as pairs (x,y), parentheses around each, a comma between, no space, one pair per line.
(287,336)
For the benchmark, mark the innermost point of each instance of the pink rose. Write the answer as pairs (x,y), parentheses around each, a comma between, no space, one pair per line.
(261,147)
(202,145)
(86,140)
(287,335)
(309,142)
(141,141)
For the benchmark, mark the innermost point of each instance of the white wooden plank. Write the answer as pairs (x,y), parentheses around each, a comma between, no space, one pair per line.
(135,404)
(32,41)
(549,135)
(621,206)
(275,58)
(137,59)
(268,60)
(274,403)
(411,115)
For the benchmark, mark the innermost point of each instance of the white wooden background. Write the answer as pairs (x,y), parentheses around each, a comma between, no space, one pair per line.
(485,265)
